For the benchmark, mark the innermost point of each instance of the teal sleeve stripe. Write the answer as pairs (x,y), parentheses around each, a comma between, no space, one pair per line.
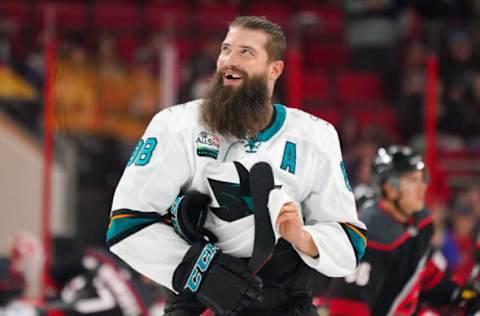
(121,228)
(357,239)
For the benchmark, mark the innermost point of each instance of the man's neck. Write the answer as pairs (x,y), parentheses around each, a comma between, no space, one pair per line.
(265,122)
(393,211)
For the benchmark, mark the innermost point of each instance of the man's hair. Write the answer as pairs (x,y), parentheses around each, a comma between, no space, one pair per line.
(276,43)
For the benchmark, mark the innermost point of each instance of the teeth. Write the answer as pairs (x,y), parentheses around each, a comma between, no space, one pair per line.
(232,76)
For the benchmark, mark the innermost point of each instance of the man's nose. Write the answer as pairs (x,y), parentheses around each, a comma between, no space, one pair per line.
(230,60)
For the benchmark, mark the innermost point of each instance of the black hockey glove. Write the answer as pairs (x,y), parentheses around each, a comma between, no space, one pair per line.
(219,281)
(189,213)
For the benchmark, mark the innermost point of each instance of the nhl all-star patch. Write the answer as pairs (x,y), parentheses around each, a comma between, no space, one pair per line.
(208,145)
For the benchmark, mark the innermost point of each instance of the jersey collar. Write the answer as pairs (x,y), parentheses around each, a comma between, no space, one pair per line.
(274,126)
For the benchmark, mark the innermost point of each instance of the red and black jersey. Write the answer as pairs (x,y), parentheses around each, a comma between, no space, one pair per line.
(398,265)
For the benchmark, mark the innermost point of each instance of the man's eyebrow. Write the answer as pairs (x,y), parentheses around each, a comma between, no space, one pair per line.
(248,47)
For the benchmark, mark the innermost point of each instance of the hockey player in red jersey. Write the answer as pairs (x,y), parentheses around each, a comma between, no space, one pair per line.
(399,267)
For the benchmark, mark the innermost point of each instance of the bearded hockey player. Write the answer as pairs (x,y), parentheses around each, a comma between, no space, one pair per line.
(183,213)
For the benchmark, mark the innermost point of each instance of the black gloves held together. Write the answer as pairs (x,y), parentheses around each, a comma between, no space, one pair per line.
(219,281)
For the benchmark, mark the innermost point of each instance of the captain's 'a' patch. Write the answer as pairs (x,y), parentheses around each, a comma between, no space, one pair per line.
(208,145)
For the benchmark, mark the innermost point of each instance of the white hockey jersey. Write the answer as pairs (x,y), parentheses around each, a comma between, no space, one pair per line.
(177,154)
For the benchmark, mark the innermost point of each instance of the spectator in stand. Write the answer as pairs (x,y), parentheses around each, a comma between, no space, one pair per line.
(475,35)
(372,35)
(145,88)
(473,118)
(414,58)
(458,59)
(366,150)
(12,45)
(360,167)
(199,70)
(348,133)
(144,98)
(459,244)
(6,29)
(18,96)
(75,90)
(454,114)
(371,32)
(409,103)
(113,88)
(468,198)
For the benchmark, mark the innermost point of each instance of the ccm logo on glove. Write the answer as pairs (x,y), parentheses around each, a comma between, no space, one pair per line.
(200,267)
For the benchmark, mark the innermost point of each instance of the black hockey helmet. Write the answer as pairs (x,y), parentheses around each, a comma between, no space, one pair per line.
(394,161)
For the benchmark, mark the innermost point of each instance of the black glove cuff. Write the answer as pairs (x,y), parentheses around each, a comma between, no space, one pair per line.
(221,282)
(176,223)
(192,270)
(189,213)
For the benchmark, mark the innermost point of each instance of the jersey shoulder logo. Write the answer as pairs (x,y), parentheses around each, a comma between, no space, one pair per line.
(208,145)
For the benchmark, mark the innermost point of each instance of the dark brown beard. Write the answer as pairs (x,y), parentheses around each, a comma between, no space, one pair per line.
(236,111)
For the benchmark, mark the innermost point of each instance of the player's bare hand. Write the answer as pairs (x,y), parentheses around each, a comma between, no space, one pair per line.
(290,225)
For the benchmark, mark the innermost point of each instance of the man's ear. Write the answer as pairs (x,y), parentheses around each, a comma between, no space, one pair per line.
(276,69)
(390,190)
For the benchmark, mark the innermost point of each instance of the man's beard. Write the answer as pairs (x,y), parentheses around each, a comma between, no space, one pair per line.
(236,111)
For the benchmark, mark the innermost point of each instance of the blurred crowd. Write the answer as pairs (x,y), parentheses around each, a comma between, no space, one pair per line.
(108,85)
(100,94)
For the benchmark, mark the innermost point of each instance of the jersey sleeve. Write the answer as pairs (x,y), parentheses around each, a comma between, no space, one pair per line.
(438,288)
(356,293)
(330,212)
(157,170)
(154,176)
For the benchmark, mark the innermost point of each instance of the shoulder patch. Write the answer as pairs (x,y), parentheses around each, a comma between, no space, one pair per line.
(208,145)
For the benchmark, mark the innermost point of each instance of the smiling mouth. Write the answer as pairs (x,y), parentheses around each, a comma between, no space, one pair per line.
(232,77)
